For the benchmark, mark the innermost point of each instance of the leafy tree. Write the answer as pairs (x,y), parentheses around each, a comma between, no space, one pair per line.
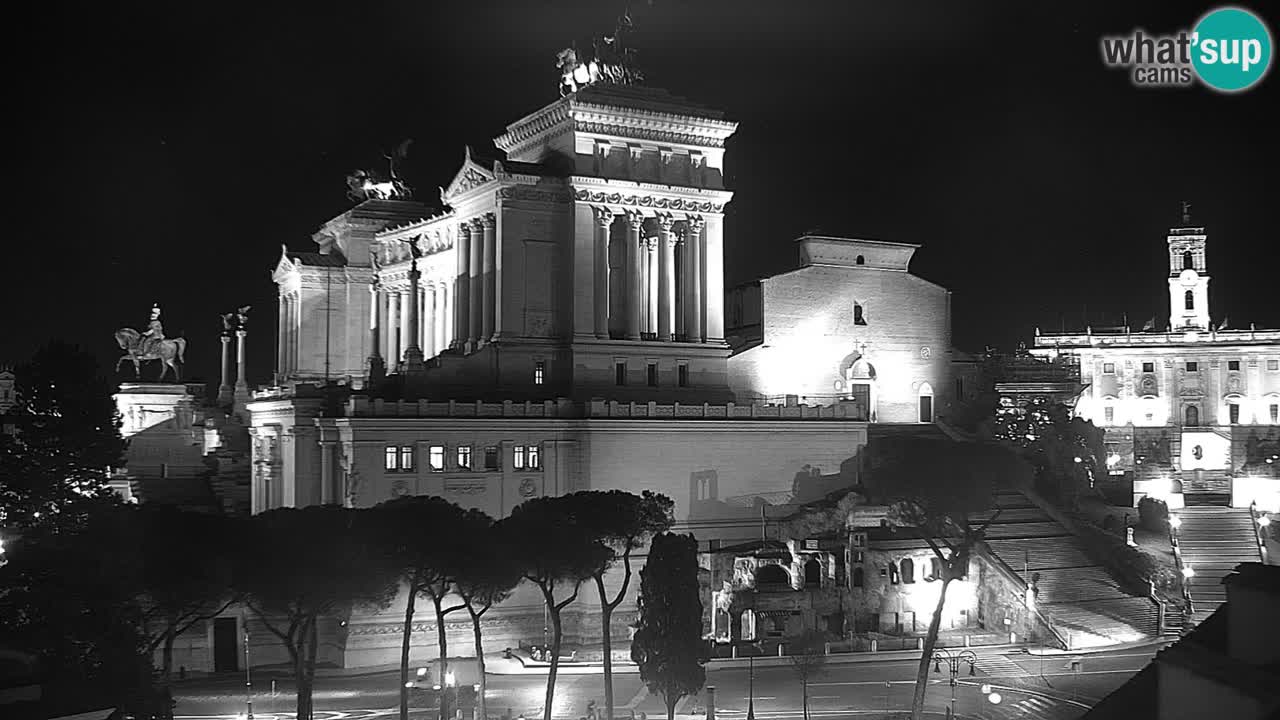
(668,643)
(621,521)
(54,468)
(552,550)
(489,572)
(68,596)
(1067,452)
(421,535)
(935,487)
(287,576)
(186,563)
(808,655)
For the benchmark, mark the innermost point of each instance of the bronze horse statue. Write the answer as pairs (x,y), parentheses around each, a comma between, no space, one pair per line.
(165,351)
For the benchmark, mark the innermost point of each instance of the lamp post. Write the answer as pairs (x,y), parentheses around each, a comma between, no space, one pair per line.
(953,661)
(751,684)
(248,681)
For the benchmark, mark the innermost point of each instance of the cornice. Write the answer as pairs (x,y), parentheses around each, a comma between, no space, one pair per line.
(533,125)
(649,201)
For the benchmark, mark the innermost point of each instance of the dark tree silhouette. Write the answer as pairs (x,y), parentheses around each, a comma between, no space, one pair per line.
(421,536)
(622,522)
(553,550)
(489,573)
(668,643)
(286,573)
(67,434)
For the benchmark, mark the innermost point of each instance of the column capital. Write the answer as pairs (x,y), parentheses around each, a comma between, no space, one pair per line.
(666,222)
(603,215)
(695,223)
(241,333)
(635,220)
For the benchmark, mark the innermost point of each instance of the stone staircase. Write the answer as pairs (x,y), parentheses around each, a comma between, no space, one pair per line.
(1212,541)
(1077,595)
(1206,487)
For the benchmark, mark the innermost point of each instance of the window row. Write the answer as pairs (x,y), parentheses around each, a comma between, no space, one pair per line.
(402,458)
(904,572)
(650,374)
(1191,366)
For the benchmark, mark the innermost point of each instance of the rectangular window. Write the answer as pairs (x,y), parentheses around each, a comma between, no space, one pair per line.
(1109,368)
(436,458)
(464,457)
(651,374)
(1193,367)
(1233,411)
(1275,414)
(406,458)
(517,459)
(959,388)
(1273,364)
(682,375)
(620,373)
(1148,367)
(539,372)
(392,462)
(1233,364)
(534,454)
(491,456)
(1110,414)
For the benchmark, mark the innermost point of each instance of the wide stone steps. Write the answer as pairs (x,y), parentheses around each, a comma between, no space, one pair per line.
(1076,584)
(1040,553)
(1001,530)
(1121,619)
(1212,542)
(1013,515)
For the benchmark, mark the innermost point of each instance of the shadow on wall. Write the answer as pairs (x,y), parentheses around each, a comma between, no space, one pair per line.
(808,484)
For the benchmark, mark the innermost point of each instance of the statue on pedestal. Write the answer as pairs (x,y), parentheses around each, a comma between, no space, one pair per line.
(151,345)
(612,61)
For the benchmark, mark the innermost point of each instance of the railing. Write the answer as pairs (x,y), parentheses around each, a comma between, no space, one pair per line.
(1257,517)
(1177,556)
(652,410)
(1022,586)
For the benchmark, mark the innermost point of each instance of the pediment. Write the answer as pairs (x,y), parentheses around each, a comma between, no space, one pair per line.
(284,266)
(470,176)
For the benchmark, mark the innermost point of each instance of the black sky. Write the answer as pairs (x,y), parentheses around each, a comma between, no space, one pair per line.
(166,151)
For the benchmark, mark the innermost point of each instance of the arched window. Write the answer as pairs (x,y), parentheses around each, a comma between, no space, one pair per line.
(812,573)
(926,403)
(860,261)
(772,575)
(893,573)
(1188,261)
(908,571)
(935,569)
(1189,300)
(1193,416)
(859,578)
(858,318)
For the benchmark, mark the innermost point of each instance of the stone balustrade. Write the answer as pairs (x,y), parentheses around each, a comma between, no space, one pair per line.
(704,411)
(597,408)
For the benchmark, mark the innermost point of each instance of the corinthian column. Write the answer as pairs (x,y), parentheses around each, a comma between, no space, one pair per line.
(406,307)
(393,322)
(281,341)
(412,350)
(429,300)
(604,220)
(693,248)
(462,287)
(475,301)
(224,388)
(242,383)
(652,288)
(666,277)
(375,369)
(489,225)
(634,223)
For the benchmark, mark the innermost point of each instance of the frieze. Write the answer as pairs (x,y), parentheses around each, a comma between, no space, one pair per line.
(644,133)
(464,487)
(522,193)
(648,201)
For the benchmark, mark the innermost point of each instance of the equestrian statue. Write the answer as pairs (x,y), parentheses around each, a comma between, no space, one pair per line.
(140,347)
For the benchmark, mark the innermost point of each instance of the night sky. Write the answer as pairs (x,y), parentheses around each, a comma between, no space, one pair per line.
(165,152)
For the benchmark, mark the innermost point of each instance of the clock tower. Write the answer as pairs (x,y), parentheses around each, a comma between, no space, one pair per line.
(1188,276)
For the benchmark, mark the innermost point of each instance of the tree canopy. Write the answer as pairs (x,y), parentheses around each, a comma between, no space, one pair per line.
(668,644)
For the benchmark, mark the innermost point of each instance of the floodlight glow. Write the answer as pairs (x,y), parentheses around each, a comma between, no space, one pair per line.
(410,684)
(995,698)
(1262,522)
(449,678)
(1077,459)
(1187,572)
(1175,522)
(422,672)
(1112,460)
(986,689)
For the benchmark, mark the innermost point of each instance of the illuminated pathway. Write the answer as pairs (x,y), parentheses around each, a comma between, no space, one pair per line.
(1029,687)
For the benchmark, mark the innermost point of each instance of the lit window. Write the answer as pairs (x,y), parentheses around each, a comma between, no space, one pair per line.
(406,458)
(517,461)
(1148,367)
(1110,414)
(893,573)
(1233,364)
(1233,411)
(1109,368)
(620,373)
(682,375)
(651,374)
(534,453)
(1193,367)
(436,458)
(491,456)
(464,457)
(392,458)
(539,372)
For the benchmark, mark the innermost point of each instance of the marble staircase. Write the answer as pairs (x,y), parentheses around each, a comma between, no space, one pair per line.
(1212,541)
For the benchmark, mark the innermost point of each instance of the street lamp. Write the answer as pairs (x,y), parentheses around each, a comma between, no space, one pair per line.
(1187,572)
(953,661)
(248,681)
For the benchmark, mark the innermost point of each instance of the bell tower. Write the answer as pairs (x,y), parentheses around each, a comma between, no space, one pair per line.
(1188,276)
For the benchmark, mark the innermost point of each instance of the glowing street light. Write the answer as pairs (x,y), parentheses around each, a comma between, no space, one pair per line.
(1187,572)
(994,698)
(1175,522)
(1263,521)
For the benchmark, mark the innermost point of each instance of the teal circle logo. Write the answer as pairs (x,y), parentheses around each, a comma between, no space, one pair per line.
(1231,49)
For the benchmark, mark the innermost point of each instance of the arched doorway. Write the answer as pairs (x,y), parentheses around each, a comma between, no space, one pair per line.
(1192,416)
(812,573)
(772,575)
(925,402)
(860,385)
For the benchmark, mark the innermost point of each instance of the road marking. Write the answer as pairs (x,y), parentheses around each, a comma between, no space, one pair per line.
(639,697)
(824,697)
(999,666)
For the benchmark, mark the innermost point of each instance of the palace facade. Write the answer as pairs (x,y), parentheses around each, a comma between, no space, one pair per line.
(1193,412)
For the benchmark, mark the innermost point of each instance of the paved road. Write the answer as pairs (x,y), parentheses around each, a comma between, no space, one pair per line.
(1030,687)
